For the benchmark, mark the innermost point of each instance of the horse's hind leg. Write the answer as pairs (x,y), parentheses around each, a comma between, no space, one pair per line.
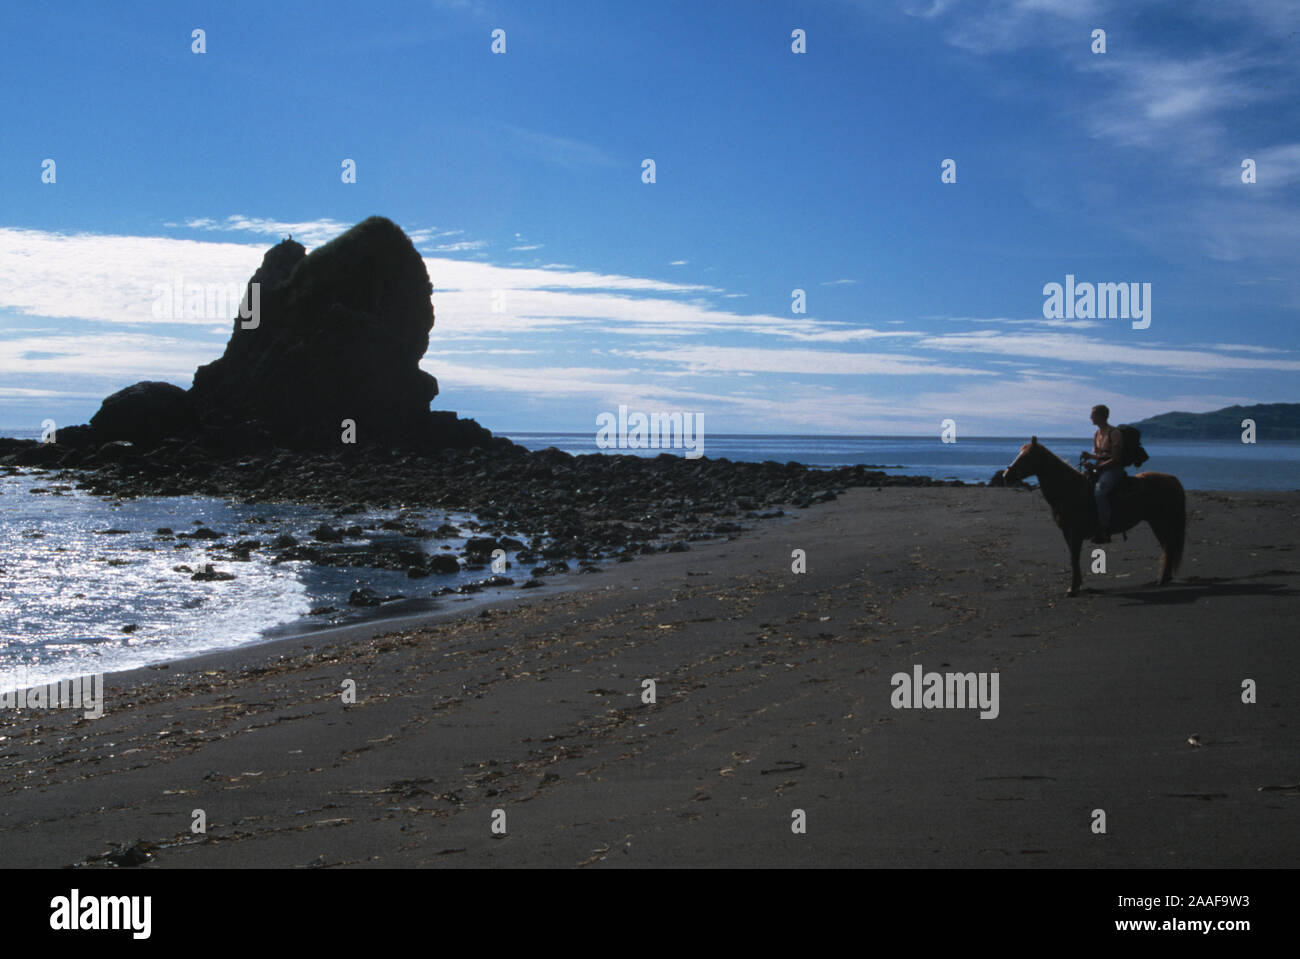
(1166,567)
(1074,541)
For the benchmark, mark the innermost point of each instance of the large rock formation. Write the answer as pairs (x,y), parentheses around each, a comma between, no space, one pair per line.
(144,414)
(335,339)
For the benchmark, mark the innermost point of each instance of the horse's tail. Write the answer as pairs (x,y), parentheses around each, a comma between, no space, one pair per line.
(1176,535)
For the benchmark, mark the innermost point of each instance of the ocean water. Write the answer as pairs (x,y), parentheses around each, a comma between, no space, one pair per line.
(1199,464)
(77,599)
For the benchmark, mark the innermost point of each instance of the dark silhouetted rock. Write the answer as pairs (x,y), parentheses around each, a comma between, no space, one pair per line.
(338,335)
(208,574)
(444,564)
(115,452)
(78,437)
(40,454)
(144,414)
(368,597)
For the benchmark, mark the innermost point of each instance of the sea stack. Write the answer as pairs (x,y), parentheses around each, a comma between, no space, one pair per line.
(324,355)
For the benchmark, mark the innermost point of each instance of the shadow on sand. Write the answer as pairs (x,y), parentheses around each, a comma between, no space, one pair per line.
(1208,587)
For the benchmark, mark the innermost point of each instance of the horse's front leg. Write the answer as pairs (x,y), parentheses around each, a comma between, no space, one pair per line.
(1074,541)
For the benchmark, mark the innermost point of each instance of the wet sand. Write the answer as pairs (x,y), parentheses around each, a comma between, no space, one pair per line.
(773,695)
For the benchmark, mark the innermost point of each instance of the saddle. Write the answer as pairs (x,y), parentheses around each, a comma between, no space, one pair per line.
(1126,485)
(1120,496)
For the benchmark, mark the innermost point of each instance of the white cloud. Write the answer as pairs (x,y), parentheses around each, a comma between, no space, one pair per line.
(18,393)
(567,152)
(459,246)
(1029,321)
(1000,26)
(111,278)
(1156,100)
(1275,167)
(1238,347)
(310,232)
(721,359)
(1074,348)
(110,355)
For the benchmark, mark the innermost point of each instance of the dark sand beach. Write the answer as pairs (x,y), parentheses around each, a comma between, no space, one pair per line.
(773,694)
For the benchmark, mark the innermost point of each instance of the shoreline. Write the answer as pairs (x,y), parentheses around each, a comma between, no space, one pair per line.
(303,636)
(442,603)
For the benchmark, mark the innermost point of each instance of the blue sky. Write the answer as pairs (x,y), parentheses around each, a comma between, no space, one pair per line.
(521,172)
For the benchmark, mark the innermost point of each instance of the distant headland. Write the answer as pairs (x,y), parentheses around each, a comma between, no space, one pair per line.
(1273,421)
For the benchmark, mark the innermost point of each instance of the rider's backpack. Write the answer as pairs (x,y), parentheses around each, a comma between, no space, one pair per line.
(1134,454)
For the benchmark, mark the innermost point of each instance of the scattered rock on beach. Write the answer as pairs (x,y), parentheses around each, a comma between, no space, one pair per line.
(365,596)
(326,533)
(201,533)
(136,854)
(443,564)
(208,574)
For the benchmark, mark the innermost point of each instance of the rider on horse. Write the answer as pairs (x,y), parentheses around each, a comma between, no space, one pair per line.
(1108,451)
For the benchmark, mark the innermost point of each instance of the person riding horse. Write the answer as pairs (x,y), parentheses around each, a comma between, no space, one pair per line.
(1108,451)
(1154,498)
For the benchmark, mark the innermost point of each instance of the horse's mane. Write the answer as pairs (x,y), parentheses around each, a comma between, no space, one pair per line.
(1062,462)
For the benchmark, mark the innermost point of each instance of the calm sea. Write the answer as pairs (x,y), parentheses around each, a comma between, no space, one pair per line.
(1200,464)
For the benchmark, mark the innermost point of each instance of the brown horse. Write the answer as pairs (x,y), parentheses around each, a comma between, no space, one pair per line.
(1157,498)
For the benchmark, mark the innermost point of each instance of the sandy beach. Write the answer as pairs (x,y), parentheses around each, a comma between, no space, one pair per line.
(773,694)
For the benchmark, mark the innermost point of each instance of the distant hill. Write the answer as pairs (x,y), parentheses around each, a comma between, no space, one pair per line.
(1273,421)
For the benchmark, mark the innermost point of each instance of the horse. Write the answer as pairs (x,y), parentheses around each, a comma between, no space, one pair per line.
(1157,498)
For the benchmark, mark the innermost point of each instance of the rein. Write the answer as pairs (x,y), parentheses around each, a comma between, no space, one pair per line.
(1057,479)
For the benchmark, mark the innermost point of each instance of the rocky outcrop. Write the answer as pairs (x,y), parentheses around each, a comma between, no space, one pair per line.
(325,355)
(337,335)
(144,414)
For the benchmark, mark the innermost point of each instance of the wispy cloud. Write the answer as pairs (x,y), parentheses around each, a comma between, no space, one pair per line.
(719,359)
(1153,100)
(1276,168)
(56,356)
(1189,100)
(1000,26)
(111,278)
(310,232)
(1027,321)
(460,246)
(1075,348)
(567,152)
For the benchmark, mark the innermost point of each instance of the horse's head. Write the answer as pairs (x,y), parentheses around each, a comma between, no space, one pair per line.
(1025,463)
